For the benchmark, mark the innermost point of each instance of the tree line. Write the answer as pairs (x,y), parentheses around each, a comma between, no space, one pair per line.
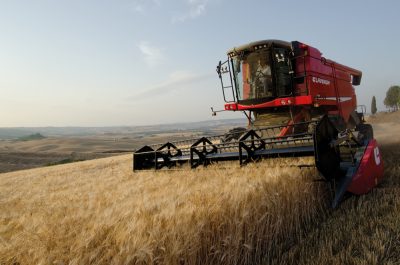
(392,100)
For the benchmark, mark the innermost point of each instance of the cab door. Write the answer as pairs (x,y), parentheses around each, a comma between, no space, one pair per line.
(283,72)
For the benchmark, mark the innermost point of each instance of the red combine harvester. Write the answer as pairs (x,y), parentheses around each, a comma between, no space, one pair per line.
(297,103)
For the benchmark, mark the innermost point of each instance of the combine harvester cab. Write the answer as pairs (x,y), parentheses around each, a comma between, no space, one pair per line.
(298,103)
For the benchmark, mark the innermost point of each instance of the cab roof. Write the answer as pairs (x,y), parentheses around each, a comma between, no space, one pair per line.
(252,46)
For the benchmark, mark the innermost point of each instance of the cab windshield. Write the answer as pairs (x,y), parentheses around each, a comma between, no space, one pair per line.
(263,75)
(252,75)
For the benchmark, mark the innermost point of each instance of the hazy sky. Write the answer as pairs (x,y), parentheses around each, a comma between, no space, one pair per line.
(134,62)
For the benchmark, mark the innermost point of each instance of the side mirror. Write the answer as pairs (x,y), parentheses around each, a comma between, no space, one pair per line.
(219,69)
(213,112)
(355,80)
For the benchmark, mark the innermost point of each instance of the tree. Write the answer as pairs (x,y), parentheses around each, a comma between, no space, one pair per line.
(373,105)
(392,99)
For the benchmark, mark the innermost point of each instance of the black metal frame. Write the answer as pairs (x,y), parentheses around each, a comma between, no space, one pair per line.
(202,148)
(252,145)
(227,70)
(361,115)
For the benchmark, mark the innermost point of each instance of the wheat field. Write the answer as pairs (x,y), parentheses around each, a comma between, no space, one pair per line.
(100,212)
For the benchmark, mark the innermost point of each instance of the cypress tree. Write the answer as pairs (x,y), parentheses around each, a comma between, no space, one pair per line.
(373,106)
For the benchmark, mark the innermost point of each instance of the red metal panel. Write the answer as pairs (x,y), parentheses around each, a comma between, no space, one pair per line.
(369,172)
(328,82)
(301,100)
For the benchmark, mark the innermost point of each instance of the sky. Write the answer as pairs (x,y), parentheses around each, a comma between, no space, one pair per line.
(140,62)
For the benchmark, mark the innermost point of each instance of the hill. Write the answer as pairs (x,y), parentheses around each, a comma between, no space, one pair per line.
(35,136)
(11,133)
(23,148)
(385,117)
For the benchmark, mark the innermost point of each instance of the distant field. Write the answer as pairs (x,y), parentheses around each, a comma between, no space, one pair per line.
(100,212)
(37,147)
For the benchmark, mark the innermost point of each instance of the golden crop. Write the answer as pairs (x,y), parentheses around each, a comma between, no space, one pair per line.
(100,212)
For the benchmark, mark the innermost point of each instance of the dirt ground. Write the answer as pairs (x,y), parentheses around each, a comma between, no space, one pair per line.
(386,127)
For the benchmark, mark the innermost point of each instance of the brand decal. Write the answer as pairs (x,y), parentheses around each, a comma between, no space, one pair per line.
(321,81)
(341,99)
(377,156)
